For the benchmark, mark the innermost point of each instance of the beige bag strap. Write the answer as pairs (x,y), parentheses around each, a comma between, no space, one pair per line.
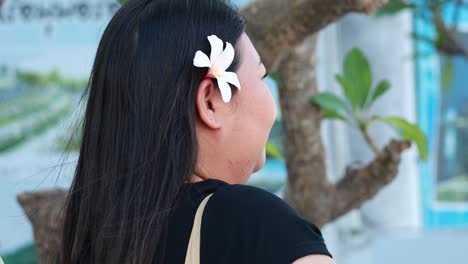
(193,250)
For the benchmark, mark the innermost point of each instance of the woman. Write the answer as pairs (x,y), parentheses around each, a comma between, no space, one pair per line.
(175,112)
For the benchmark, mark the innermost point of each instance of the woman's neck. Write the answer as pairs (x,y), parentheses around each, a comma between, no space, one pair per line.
(197,178)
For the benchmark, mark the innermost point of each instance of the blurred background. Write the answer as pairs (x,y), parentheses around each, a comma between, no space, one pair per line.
(422,216)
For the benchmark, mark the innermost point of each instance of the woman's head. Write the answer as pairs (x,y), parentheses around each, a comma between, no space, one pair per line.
(232,135)
(152,121)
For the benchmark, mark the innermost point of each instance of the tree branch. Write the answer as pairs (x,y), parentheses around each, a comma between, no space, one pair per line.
(275,26)
(361,184)
(369,140)
(451,44)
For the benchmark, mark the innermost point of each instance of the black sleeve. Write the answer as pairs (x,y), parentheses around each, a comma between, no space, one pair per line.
(267,228)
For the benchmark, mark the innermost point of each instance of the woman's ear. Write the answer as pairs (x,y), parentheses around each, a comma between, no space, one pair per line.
(209,104)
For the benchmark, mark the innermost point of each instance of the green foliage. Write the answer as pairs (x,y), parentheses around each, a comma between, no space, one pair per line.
(122,1)
(35,79)
(329,100)
(31,78)
(333,114)
(24,112)
(347,89)
(357,73)
(54,76)
(73,84)
(273,151)
(331,105)
(447,74)
(409,132)
(394,6)
(42,121)
(356,79)
(354,109)
(274,76)
(356,83)
(381,88)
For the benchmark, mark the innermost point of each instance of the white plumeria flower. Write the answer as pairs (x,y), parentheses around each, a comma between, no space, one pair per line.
(218,62)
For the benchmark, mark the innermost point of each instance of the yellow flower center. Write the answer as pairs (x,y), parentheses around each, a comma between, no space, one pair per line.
(215,71)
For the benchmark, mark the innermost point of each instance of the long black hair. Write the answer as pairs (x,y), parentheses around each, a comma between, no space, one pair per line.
(139,142)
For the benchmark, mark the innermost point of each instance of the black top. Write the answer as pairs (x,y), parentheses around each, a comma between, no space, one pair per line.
(241,224)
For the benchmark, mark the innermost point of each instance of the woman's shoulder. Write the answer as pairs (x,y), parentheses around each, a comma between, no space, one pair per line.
(244,197)
(259,214)
(256,204)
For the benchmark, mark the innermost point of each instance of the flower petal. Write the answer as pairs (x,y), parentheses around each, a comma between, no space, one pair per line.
(201,60)
(231,77)
(225,58)
(225,90)
(216,47)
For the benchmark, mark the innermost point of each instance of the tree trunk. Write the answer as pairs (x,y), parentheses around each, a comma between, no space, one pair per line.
(45,211)
(303,144)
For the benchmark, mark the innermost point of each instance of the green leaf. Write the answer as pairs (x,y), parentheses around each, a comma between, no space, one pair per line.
(447,75)
(393,7)
(273,151)
(274,76)
(381,88)
(410,132)
(330,101)
(357,73)
(122,1)
(332,114)
(348,91)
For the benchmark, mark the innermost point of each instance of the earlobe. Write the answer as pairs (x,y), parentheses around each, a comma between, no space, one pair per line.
(208,106)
